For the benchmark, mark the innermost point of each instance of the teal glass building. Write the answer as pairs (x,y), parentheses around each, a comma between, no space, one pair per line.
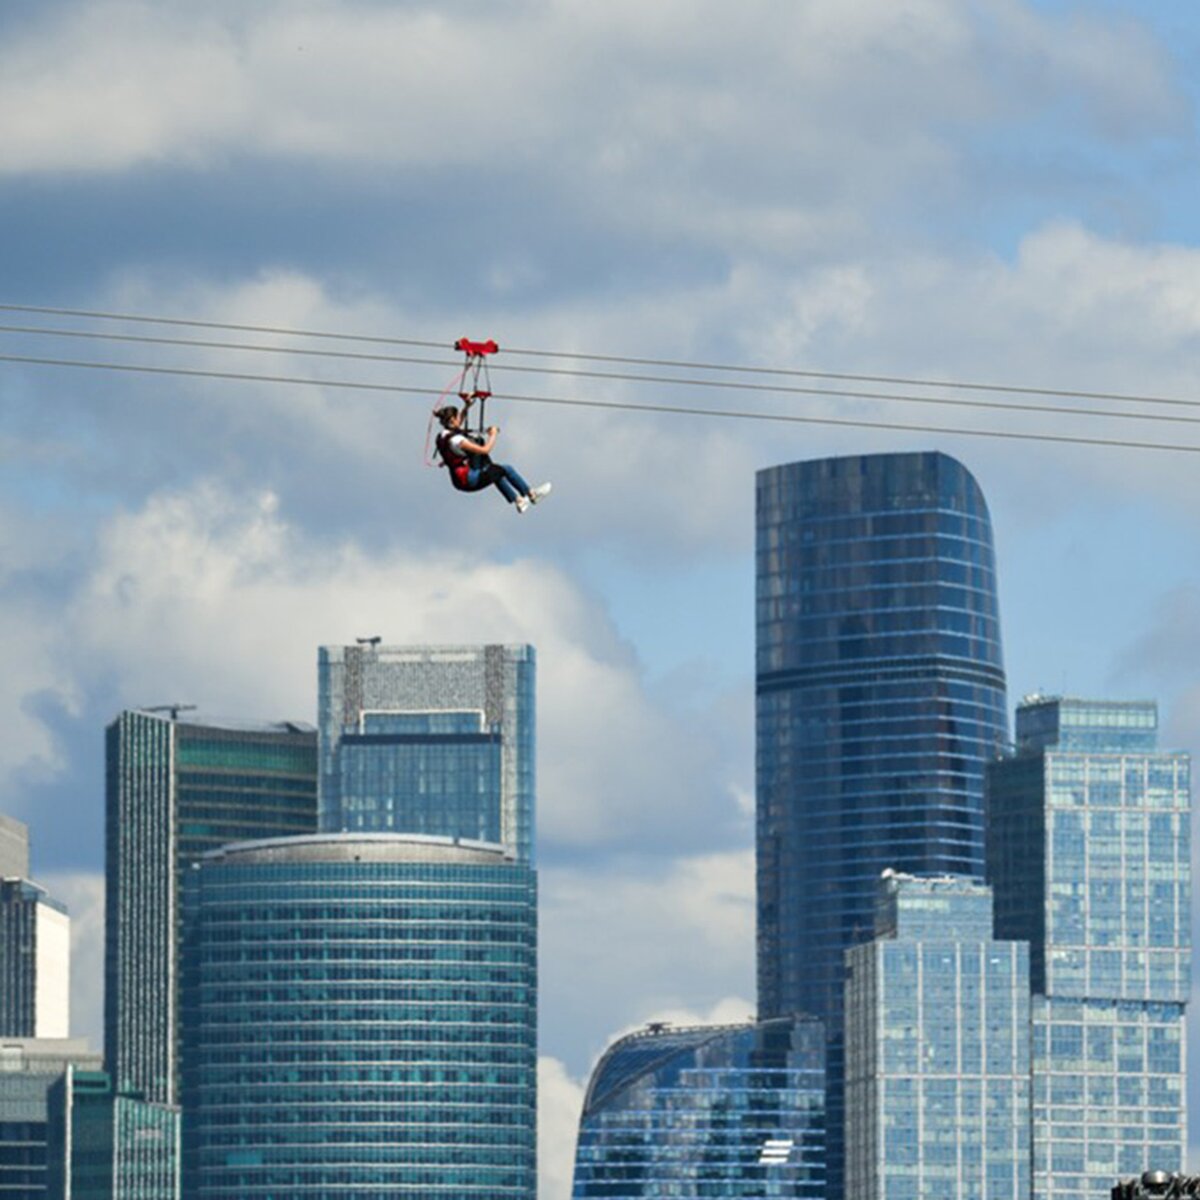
(175,788)
(880,700)
(106,1146)
(1088,854)
(429,739)
(360,1018)
(937,1049)
(719,1112)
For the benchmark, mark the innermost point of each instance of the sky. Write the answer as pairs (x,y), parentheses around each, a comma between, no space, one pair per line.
(998,191)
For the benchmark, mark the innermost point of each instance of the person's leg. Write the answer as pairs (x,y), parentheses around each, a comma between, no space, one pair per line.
(514,478)
(494,473)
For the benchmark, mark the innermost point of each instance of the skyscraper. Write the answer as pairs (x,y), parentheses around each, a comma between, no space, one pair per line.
(429,739)
(360,1018)
(937,1049)
(175,788)
(716,1112)
(361,1005)
(881,697)
(1088,853)
(35,946)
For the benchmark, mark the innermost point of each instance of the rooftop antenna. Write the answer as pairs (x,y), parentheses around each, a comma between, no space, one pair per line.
(369,641)
(173,709)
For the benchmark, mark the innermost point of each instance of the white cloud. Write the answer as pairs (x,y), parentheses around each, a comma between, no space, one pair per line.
(560,1099)
(643,939)
(210,596)
(744,126)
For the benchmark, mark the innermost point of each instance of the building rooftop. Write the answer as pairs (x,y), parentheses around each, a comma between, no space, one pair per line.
(361,847)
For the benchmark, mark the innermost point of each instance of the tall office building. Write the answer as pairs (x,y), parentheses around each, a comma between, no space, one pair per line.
(175,788)
(880,698)
(361,1004)
(104,1145)
(29,1068)
(937,1049)
(429,739)
(1088,854)
(35,946)
(720,1112)
(360,1018)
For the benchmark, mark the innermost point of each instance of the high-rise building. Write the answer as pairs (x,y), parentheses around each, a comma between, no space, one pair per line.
(14,848)
(719,1112)
(880,698)
(1088,854)
(937,1049)
(103,1145)
(29,1068)
(360,1018)
(35,946)
(429,739)
(177,787)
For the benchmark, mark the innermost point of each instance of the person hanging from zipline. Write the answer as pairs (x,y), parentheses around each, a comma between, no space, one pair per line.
(467,453)
(467,457)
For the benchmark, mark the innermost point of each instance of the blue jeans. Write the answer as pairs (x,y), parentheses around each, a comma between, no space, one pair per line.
(506,478)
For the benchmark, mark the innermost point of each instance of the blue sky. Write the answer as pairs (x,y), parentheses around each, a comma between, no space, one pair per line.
(998,191)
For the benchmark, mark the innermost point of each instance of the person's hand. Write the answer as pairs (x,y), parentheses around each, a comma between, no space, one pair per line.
(493,429)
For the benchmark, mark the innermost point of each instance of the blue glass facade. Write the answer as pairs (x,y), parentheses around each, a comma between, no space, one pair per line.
(425,739)
(1088,852)
(880,698)
(937,1049)
(726,1113)
(360,1018)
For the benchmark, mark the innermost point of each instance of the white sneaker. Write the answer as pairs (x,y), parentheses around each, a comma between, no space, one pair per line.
(522,504)
(539,493)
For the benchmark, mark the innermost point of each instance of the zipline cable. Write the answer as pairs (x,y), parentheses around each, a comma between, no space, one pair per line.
(680,364)
(624,377)
(678,410)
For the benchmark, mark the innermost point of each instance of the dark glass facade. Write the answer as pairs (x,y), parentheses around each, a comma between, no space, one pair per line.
(174,790)
(109,1147)
(360,1018)
(880,700)
(719,1112)
(429,739)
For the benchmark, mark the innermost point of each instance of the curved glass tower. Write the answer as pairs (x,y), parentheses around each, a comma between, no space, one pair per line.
(360,1019)
(728,1112)
(880,700)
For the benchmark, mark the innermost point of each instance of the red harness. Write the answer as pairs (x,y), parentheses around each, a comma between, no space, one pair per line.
(457,463)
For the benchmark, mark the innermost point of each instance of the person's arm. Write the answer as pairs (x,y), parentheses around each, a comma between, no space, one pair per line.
(484,447)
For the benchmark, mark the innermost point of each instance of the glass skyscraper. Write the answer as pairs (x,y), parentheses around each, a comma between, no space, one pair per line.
(175,788)
(1088,853)
(429,739)
(104,1145)
(360,1018)
(719,1112)
(937,1049)
(880,699)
